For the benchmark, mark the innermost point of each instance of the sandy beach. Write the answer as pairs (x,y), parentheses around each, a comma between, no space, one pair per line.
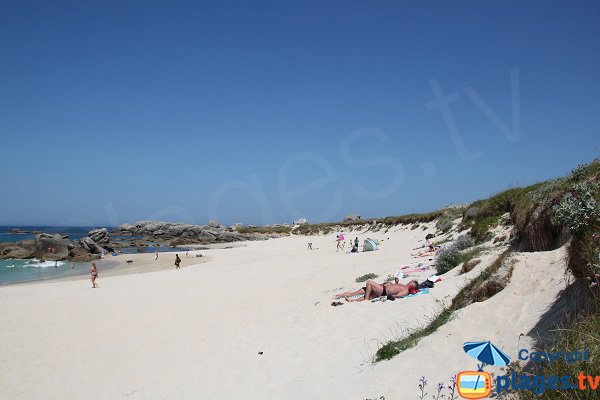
(255,322)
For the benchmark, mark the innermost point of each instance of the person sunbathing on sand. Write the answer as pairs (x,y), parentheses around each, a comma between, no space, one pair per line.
(425,253)
(373,290)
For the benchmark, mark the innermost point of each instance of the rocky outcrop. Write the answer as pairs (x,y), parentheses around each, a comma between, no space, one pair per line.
(24,249)
(88,244)
(179,233)
(52,236)
(52,247)
(100,236)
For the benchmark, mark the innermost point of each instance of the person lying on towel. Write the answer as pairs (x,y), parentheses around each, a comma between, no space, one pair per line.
(373,290)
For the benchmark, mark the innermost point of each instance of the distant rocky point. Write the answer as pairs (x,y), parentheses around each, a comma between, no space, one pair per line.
(179,233)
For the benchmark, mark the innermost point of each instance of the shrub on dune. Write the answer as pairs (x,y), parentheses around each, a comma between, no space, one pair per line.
(447,259)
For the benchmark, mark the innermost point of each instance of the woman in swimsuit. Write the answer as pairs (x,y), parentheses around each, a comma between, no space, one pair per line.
(94,274)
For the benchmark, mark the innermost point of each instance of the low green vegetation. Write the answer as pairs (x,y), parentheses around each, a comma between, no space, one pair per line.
(456,253)
(366,277)
(265,229)
(444,223)
(578,208)
(376,223)
(394,348)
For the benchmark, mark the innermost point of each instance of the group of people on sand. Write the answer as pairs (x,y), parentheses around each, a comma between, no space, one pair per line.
(94,269)
(391,291)
(341,244)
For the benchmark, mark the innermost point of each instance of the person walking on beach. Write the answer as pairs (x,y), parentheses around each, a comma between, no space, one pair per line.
(155,255)
(177,261)
(94,274)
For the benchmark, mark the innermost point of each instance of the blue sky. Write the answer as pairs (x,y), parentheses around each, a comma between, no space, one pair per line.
(261,112)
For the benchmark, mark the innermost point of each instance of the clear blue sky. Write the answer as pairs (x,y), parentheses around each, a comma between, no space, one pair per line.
(261,112)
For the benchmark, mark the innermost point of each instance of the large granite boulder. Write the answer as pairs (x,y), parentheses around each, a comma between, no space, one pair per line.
(52,236)
(88,244)
(125,230)
(99,236)
(52,248)
(79,254)
(214,224)
(24,249)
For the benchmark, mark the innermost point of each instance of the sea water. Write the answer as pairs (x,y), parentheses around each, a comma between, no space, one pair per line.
(17,271)
(74,232)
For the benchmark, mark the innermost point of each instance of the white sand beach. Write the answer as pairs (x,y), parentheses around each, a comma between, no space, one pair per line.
(256,322)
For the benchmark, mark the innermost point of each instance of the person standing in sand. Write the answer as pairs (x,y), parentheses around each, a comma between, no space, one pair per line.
(177,261)
(94,274)
(155,255)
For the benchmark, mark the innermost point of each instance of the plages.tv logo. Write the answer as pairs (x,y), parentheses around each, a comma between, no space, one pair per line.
(478,384)
(474,384)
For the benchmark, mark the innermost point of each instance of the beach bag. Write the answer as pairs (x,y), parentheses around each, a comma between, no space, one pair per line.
(427,284)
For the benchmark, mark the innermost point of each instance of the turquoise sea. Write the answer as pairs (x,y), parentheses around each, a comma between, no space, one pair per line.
(17,271)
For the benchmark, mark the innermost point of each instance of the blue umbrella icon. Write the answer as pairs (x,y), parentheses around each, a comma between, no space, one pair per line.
(487,353)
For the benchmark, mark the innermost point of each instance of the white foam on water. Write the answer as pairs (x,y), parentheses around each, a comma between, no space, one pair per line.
(44,264)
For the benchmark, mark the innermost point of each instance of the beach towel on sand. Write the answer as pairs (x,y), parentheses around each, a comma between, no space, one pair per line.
(383,298)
